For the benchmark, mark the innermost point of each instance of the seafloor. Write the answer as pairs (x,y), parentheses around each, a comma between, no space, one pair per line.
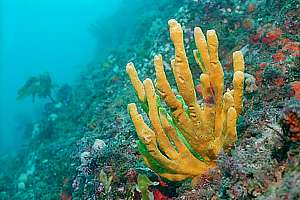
(86,138)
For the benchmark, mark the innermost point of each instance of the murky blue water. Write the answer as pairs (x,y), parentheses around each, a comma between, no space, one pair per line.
(43,36)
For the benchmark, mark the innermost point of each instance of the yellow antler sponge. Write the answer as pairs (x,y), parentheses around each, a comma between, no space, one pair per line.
(185,143)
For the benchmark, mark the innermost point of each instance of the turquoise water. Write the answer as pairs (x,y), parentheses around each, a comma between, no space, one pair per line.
(43,36)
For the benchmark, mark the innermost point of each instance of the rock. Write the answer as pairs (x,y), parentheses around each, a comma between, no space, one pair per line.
(85,157)
(36,130)
(98,146)
(21,186)
(52,117)
(58,105)
(23,178)
(3,195)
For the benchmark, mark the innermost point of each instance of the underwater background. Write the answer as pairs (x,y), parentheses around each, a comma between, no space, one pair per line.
(67,131)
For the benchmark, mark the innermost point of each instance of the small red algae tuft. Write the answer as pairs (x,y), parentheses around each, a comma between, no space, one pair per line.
(161,183)
(272,36)
(292,47)
(256,37)
(66,196)
(279,82)
(279,56)
(132,175)
(269,38)
(291,122)
(285,41)
(296,88)
(251,7)
(248,24)
(258,76)
(262,65)
(158,195)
